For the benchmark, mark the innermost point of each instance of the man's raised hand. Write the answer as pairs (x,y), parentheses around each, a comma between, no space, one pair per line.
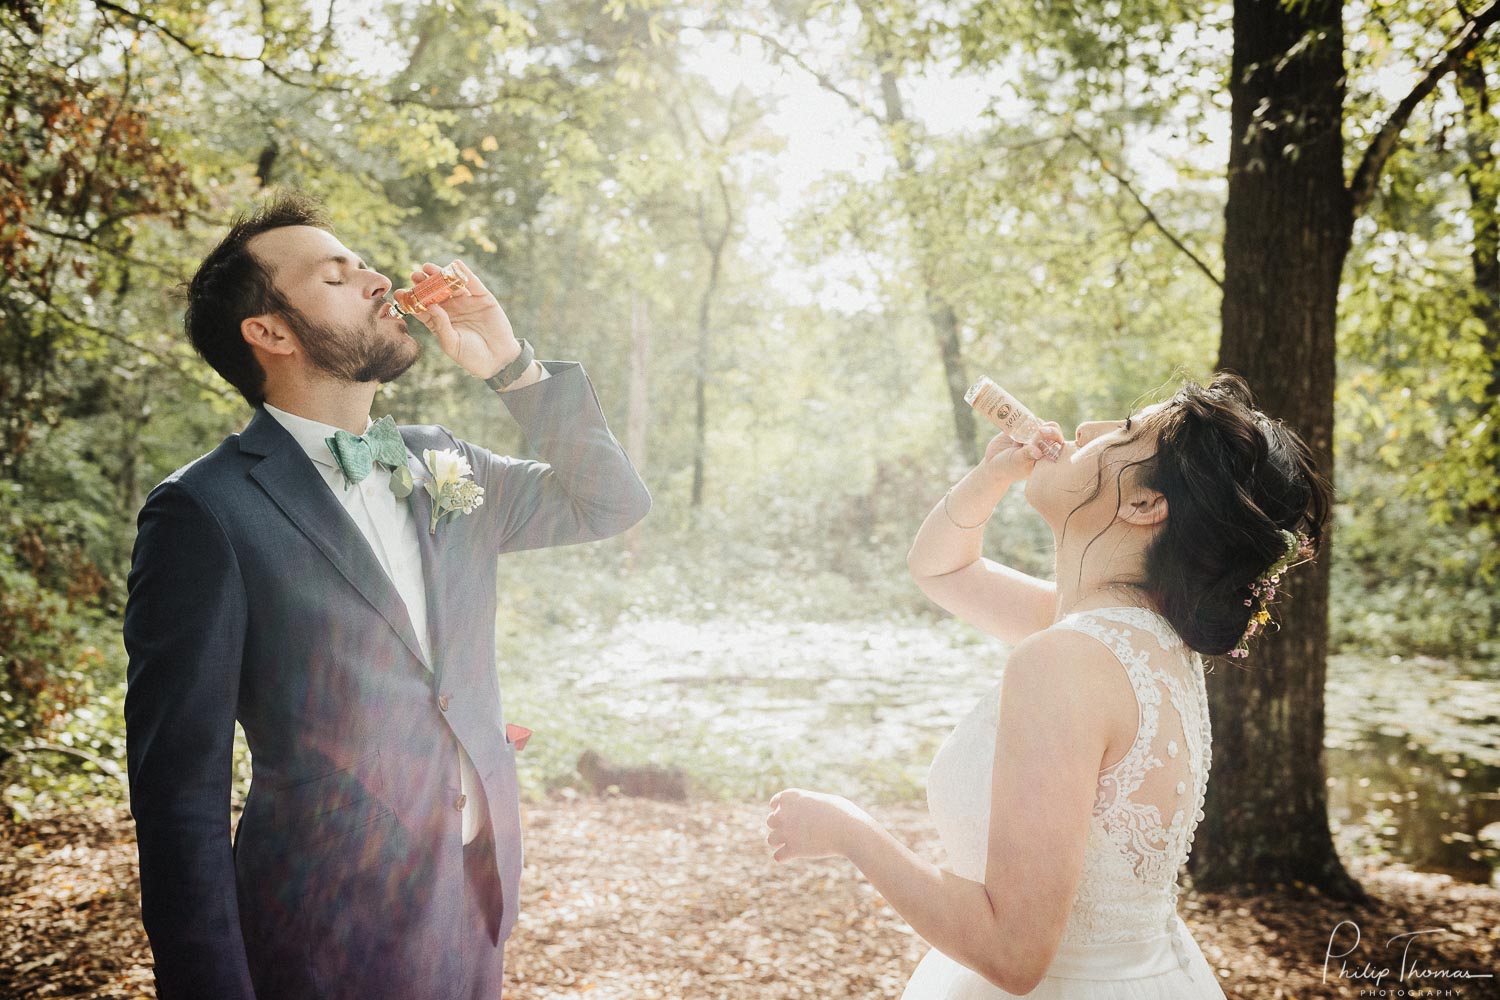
(470,327)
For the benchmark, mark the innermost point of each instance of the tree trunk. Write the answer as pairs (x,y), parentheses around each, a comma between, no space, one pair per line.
(639,409)
(700,382)
(1481,134)
(134,417)
(945,326)
(1288,223)
(940,311)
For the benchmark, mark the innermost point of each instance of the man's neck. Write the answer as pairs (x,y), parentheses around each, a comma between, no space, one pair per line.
(340,404)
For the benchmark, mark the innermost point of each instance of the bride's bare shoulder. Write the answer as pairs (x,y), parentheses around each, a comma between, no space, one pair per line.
(1066,651)
(1079,664)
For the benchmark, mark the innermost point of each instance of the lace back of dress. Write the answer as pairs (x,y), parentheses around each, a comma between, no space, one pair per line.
(1149,801)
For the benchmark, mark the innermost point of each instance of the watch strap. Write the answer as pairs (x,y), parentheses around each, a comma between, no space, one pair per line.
(505,376)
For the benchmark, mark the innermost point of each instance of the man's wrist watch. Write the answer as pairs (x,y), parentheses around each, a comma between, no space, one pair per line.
(505,376)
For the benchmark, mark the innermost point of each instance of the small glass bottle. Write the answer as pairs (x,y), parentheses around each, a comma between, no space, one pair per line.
(1007,413)
(429,291)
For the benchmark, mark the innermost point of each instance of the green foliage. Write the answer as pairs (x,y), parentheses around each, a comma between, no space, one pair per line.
(61,732)
(1399,591)
(1420,328)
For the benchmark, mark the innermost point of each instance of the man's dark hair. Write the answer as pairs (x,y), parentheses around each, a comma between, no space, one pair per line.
(232,284)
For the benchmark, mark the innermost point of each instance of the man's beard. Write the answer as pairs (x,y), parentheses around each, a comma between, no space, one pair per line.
(354,353)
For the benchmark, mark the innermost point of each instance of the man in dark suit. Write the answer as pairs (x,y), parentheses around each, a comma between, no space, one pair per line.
(329,582)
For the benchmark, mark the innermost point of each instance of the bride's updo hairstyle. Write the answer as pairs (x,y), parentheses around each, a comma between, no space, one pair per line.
(1234,480)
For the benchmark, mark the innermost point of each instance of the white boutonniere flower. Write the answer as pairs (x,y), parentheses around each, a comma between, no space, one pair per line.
(451,489)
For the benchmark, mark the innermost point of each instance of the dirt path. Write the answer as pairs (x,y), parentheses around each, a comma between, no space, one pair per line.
(624,898)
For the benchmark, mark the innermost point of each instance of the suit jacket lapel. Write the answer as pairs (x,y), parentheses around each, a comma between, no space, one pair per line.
(290,478)
(433,552)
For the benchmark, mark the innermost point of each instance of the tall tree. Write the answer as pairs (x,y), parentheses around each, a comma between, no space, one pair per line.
(714,210)
(638,411)
(716,222)
(901,133)
(1288,224)
(891,39)
(1482,179)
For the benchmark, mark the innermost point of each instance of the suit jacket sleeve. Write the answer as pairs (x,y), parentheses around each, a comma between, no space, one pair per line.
(583,488)
(184,635)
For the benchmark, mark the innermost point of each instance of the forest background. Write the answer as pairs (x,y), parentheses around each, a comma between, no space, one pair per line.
(780,237)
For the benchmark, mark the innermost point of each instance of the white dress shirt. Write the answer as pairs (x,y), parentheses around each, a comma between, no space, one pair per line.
(391,531)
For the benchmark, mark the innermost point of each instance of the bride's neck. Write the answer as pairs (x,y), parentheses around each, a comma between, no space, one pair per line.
(1108,573)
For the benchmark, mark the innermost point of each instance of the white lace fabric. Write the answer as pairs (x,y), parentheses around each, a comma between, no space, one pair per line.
(1128,890)
(1129,887)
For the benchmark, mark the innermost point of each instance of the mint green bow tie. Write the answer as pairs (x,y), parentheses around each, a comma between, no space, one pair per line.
(357,455)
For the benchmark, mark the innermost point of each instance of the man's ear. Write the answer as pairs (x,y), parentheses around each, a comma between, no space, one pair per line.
(268,333)
(1144,508)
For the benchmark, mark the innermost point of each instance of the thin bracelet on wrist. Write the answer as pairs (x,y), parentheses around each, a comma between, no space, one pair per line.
(949,514)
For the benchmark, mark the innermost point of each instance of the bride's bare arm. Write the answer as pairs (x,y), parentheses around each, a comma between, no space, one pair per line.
(946,563)
(1009,927)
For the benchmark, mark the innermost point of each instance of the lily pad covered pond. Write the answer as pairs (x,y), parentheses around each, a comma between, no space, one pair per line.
(1413,757)
(746,707)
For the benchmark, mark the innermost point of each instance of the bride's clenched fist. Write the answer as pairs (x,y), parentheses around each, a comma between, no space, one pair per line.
(1011,461)
(811,824)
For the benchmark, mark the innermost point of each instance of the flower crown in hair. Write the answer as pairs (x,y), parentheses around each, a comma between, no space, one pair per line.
(1299,549)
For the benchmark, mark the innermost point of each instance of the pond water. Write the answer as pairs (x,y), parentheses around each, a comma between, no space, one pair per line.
(1413,757)
(1428,810)
(750,706)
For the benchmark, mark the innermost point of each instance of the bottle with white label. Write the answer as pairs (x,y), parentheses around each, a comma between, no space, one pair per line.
(1007,413)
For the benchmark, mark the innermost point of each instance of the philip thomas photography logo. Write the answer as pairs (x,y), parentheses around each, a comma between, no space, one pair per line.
(1411,977)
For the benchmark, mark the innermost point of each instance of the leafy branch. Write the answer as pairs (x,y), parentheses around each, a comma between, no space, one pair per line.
(109,767)
(199,51)
(1151,216)
(166,360)
(1367,174)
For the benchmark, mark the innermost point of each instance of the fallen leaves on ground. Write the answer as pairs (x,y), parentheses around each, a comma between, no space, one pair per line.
(630,898)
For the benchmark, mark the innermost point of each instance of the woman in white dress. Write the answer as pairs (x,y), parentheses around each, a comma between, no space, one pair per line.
(1066,800)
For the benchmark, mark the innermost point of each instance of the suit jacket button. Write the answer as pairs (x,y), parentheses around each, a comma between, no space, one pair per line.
(443,702)
(459,805)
